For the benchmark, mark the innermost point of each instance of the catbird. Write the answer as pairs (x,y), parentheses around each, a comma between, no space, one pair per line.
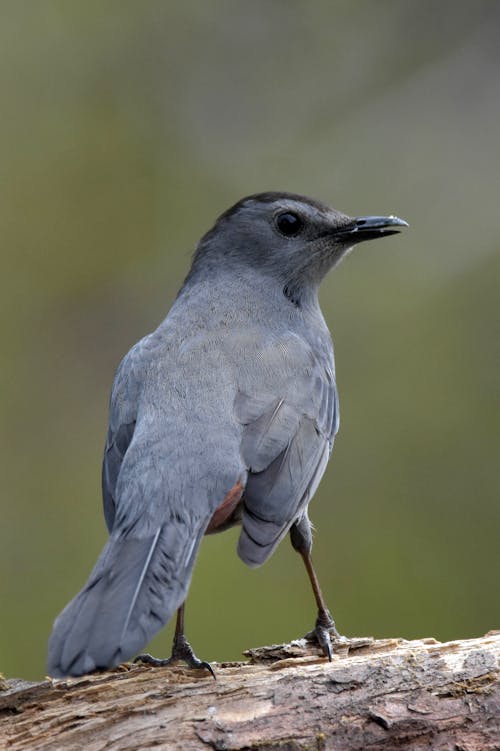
(225,415)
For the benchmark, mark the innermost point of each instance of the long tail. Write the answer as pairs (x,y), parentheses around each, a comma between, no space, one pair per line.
(136,586)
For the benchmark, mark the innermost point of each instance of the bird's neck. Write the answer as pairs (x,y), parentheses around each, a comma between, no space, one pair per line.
(237,287)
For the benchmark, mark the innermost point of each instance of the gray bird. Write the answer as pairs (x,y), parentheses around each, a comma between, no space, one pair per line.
(226,414)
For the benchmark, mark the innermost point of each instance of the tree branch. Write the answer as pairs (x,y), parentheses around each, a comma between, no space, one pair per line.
(382,694)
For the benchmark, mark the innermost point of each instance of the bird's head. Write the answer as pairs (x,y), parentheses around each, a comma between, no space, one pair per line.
(294,239)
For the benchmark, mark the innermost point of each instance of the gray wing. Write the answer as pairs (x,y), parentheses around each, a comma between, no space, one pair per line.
(287,440)
(122,421)
(117,443)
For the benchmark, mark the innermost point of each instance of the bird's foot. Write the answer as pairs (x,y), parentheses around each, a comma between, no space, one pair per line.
(323,632)
(181,650)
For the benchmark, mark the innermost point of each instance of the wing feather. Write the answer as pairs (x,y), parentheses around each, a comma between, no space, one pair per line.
(287,440)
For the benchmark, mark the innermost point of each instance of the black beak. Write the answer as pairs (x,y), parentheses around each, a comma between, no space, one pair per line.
(371,227)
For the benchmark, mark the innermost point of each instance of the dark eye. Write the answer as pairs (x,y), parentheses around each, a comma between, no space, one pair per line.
(289,224)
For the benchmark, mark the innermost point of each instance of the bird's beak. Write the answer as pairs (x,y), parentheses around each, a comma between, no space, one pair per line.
(371,227)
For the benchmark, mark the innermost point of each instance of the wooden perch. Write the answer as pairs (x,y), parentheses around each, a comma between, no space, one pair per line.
(382,694)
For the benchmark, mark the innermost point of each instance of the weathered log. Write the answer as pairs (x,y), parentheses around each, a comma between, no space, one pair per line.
(383,694)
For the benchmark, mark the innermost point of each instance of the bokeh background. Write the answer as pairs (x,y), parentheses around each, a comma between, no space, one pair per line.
(126,127)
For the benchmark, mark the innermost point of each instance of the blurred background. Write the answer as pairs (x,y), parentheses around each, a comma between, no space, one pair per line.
(126,128)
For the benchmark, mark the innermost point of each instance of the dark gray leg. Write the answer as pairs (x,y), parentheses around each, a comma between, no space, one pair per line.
(301,537)
(181,649)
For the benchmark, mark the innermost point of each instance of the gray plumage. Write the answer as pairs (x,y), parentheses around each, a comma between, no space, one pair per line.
(235,389)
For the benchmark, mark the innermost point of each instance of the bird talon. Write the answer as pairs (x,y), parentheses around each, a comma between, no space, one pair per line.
(323,632)
(182,651)
(156,662)
(322,636)
(208,667)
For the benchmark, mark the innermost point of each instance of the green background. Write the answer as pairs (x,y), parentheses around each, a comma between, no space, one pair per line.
(126,128)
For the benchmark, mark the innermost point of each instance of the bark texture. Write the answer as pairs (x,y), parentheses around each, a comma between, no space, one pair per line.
(384,694)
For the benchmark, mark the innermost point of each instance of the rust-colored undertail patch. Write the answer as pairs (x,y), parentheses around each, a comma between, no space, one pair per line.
(226,508)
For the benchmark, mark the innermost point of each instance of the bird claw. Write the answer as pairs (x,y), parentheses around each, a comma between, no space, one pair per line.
(147,659)
(181,650)
(323,632)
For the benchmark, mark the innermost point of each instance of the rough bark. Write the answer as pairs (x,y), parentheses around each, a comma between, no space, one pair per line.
(384,694)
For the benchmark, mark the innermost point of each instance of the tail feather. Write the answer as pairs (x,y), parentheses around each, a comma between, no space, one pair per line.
(135,588)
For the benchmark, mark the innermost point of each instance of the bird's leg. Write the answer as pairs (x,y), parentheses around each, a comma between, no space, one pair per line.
(325,625)
(301,537)
(181,650)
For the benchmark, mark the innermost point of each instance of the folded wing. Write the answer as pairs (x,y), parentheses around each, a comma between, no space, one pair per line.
(287,440)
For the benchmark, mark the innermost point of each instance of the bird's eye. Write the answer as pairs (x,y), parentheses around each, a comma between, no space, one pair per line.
(289,224)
